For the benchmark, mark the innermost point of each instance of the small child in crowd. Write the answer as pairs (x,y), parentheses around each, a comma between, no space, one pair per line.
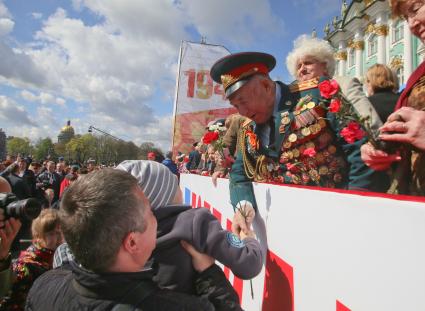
(36,259)
(176,222)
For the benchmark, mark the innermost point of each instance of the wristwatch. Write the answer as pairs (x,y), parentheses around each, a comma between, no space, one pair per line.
(5,262)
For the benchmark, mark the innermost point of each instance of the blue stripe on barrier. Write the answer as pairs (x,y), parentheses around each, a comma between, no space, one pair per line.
(187,196)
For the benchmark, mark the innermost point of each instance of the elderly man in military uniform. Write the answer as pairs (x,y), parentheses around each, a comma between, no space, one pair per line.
(289,136)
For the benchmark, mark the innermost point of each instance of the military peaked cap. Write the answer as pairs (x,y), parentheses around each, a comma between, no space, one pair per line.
(234,70)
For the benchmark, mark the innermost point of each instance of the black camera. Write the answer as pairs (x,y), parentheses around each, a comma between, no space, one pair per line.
(21,209)
(389,147)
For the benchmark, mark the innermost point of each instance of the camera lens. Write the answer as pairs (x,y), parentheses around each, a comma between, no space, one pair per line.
(24,209)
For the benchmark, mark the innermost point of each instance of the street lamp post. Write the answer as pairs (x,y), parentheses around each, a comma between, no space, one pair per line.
(91,128)
(106,134)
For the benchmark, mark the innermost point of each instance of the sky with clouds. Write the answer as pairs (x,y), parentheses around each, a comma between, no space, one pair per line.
(113,63)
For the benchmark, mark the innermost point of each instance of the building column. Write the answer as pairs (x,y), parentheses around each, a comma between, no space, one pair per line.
(381,30)
(407,51)
(341,58)
(358,45)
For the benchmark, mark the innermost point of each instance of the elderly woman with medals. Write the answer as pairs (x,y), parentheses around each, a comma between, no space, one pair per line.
(332,115)
(298,134)
(404,128)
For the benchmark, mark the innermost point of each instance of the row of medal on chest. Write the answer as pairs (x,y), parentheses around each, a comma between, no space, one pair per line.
(307,122)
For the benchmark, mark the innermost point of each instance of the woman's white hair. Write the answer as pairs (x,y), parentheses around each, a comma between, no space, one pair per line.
(320,49)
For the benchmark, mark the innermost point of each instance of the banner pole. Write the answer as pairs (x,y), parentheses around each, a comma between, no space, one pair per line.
(177,94)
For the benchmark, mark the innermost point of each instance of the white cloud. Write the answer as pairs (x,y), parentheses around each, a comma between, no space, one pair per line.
(28,96)
(43,98)
(6,26)
(233,21)
(6,23)
(36,15)
(114,67)
(12,113)
(159,132)
(4,12)
(60,101)
(48,121)
(32,132)
(18,68)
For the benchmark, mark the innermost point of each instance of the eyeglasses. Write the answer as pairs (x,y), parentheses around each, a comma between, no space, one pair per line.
(413,9)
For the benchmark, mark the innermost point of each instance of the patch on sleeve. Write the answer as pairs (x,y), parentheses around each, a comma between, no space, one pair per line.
(234,240)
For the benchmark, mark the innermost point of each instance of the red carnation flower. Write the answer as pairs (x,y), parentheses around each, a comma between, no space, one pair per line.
(309,152)
(328,88)
(352,132)
(293,168)
(209,137)
(335,105)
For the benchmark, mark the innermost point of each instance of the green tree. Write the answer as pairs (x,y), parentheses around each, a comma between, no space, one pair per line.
(105,149)
(127,150)
(44,148)
(147,147)
(60,150)
(18,145)
(82,147)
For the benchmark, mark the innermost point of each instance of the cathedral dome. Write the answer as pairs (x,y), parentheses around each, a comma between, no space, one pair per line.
(66,133)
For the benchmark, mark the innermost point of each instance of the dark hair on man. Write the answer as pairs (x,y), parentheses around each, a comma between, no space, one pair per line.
(97,211)
(169,155)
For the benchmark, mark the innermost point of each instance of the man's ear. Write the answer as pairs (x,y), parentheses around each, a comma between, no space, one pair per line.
(129,243)
(267,84)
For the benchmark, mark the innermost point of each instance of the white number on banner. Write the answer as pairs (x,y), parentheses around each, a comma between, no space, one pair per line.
(205,86)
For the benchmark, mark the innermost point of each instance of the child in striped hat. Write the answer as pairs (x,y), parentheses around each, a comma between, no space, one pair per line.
(177,222)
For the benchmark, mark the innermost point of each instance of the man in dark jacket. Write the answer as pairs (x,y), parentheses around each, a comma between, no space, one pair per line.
(50,179)
(168,162)
(108,224)
(19,186)
(194,158)
(22,191)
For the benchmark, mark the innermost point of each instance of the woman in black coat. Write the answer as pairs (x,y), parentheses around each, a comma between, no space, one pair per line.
(382,86)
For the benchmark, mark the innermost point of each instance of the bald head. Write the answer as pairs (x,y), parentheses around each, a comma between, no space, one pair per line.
(4,185)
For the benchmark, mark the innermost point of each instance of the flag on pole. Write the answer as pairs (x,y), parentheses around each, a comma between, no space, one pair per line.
(198,98)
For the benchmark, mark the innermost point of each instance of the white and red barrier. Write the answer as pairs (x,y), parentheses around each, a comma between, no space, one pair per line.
(328,250)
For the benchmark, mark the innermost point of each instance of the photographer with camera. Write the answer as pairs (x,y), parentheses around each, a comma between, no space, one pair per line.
(35,260)
(8,230)
(19,186)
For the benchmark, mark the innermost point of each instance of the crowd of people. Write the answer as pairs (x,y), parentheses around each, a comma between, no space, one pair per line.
(121,237)
(145,263)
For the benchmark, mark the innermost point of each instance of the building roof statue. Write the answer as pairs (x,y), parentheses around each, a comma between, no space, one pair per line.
(344,9)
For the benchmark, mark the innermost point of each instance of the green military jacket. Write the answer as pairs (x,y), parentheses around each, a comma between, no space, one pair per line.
(307,148)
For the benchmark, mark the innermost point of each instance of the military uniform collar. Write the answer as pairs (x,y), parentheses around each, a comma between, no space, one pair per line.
(297,86)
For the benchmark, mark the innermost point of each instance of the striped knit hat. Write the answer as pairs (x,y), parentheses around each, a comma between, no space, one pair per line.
(155,179)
